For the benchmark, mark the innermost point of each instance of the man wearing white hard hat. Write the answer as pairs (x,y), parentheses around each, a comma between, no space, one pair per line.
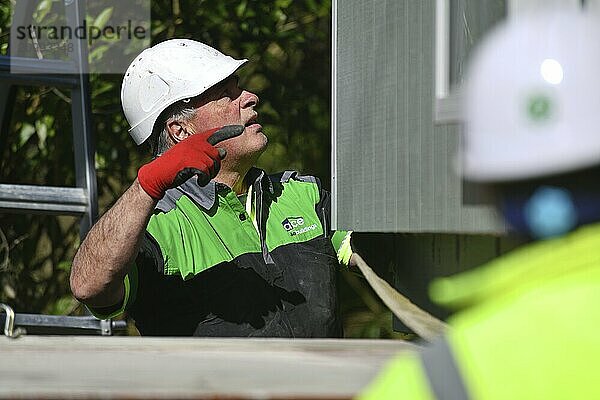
(528,321)
(203,243)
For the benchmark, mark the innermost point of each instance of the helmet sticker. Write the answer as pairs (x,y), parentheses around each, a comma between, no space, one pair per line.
(539,108)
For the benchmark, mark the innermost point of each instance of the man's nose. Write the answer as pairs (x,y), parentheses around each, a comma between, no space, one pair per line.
(248,99)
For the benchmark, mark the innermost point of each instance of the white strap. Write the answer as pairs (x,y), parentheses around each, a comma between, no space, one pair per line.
(250,207)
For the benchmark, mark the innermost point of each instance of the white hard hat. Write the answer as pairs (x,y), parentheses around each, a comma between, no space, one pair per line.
(173,70)
(533,99)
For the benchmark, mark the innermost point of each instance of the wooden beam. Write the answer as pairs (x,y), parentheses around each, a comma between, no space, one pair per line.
(198,368)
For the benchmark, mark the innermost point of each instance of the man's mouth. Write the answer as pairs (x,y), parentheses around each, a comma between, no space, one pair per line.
(252,120)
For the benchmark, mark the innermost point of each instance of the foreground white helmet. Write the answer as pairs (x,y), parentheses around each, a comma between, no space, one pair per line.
(173,70)
(533,99)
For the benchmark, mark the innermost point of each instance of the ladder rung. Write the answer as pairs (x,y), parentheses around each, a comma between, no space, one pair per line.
(44,199)
(35,66)
(60,321)
(34,71)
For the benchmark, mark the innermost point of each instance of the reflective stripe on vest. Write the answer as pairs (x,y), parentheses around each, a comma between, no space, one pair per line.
(442,372)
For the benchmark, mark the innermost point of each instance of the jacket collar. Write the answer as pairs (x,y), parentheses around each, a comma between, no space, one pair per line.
(206,196)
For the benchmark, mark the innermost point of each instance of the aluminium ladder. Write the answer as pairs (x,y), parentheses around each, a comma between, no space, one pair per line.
(80,200)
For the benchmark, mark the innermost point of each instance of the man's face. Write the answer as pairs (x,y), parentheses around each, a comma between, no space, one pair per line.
(227,104)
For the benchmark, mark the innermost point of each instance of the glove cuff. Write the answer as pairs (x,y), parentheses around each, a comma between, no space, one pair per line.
(148,183)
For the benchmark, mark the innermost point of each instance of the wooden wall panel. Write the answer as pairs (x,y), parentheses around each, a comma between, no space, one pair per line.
(393,166)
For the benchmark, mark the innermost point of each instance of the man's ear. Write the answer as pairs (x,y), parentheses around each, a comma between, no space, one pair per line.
(177,131)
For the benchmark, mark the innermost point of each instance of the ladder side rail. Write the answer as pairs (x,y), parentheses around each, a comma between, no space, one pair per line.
(23,14)
(7,101)
(83,141)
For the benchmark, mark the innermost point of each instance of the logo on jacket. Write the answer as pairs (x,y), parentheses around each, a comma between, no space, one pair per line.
(295,226)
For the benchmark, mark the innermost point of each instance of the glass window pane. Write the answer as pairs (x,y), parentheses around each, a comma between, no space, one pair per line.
(469,21)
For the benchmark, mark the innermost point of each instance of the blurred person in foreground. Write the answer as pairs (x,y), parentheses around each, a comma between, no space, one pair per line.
(203,243)
(528,321)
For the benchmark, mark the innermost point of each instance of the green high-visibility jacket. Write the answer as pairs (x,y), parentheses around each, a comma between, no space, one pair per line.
(213,263)
(529,329)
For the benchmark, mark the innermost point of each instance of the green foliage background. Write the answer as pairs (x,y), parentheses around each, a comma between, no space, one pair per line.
(288,44)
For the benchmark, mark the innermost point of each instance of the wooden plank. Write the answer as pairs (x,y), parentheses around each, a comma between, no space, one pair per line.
(136,368)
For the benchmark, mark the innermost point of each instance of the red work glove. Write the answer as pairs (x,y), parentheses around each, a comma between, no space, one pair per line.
(195,155)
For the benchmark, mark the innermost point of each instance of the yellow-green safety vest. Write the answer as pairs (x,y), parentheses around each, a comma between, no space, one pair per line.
(529,328)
